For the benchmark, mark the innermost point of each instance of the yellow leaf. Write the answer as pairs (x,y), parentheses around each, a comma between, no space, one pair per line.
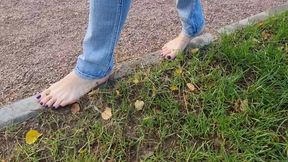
(117,93)
(260,24)
(32,136)
(178,71)
(135,81)
(173,88)
(244,105)
(191,87)
(82,150)
(75,108)
(139,105)
(106,114)
(194,50)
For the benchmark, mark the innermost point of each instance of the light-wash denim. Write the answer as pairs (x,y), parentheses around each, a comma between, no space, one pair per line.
(106,19)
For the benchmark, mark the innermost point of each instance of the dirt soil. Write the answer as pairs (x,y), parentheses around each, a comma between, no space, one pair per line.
(40,40)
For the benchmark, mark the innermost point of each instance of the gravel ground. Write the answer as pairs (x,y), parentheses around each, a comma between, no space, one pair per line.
(40,40)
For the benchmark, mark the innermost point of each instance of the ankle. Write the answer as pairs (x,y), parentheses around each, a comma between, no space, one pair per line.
(184,37)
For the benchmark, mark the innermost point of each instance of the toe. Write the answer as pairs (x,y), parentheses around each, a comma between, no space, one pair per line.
(51,102)
(44,100)
(166,52)
(170,57)
(56,105)
(43,94)
(38,96)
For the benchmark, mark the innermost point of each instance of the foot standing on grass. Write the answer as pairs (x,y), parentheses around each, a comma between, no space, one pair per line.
(106,19)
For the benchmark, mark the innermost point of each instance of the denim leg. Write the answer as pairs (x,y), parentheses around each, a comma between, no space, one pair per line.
(191,16)
(106,19)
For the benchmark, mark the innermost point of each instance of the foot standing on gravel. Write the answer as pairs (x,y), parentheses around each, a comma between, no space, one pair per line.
(106,19)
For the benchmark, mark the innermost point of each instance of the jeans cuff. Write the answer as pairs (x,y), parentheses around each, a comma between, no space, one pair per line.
(183,31)
(91,77)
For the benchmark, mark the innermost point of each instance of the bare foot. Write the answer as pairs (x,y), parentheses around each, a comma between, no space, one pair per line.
(68,90)
(175,46)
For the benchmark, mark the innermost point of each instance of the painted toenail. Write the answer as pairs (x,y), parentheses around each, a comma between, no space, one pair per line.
(169,57)
(46,106)
(41,103)
(38,96)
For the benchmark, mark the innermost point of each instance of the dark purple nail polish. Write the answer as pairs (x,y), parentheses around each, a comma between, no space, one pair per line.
(38,96)
(169,57)
(41,103)
(46,106)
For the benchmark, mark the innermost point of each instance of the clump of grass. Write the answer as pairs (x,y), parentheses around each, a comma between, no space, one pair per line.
(238,111)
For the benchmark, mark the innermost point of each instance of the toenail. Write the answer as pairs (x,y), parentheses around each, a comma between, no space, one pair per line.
(46,106)
(38,96)
(41,103)
(169,57)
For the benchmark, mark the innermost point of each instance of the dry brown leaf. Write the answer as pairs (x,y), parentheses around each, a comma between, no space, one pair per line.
(32,136)
(75,108)
(191,87)
(266,35)
(241,105)
(139,105)
(107,113)
(194,50)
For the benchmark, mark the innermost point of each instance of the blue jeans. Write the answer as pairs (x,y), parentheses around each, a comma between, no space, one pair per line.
(106,19)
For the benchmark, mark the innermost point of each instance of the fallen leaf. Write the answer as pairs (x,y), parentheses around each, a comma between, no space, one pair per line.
(173,88)
(194,50)
(106,114)
(117,93)
(244,105)
(32,136)
(139,105)
(260,24)
(266,35)
(75,108)
(82,150)
(178,71)
(191,87)
(241,105)
(135,81)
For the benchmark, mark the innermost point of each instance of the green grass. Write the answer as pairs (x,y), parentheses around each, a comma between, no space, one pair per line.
(239,111)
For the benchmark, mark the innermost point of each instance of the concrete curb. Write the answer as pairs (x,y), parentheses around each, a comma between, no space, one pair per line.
(252,19)
(22,110)
(19,111)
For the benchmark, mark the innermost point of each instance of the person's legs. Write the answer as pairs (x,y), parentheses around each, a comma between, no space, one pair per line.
(192,20)
(106,19)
